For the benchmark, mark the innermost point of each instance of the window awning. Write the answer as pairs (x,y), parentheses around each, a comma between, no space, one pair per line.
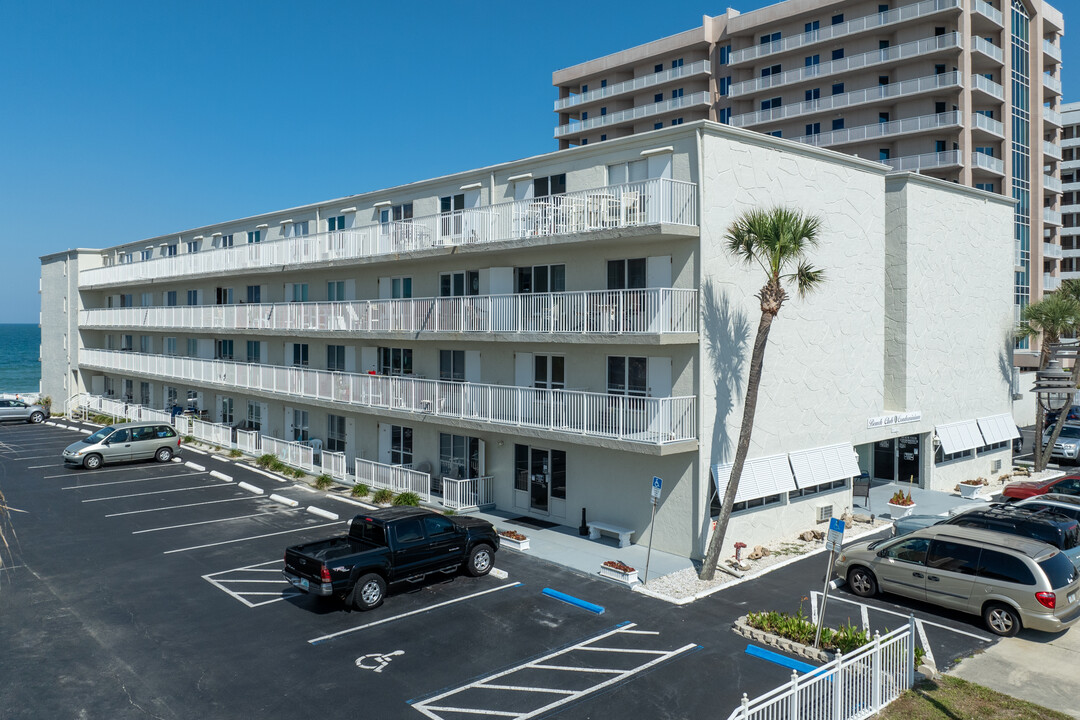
(824,464)
(761,477)
(959,436)
(998,428)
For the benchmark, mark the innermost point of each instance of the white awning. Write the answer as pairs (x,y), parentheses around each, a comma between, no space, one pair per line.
(959,436)
(824,464)
(761,477)
(998,428)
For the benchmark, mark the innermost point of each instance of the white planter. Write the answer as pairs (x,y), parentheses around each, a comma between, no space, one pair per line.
(512,543)
(629,578)
(899,511)
(969,491)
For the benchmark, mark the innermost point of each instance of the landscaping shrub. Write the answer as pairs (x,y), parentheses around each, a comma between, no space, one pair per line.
(324,482)
(360,490)
(266,460)
(382,496)
(407,498)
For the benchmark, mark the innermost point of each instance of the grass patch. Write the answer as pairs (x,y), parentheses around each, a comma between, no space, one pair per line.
(788,548)
(950,698)
(234,453)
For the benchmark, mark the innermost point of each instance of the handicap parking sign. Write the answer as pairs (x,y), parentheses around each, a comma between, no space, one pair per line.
(657,483)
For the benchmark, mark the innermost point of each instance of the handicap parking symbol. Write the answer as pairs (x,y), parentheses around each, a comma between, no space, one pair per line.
(376,661)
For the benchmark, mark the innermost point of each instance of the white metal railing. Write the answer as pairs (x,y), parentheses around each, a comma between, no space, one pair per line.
(869,95)
(988,86)
(988,48)
(295,454)
(123,410)
(701,67)
(212,433)
(468,494)
(248,442)
(1051,217)
(659,200)
(1051,149)
(1051,184)
(703,97)
(1052,83)
(856,25)
(1051,283)
(1052,250)
(396,478)
(883,129)
(653,421)
(334,465)
(988,124)
(857,685)
(1051,50)
(646,311)
(1053,117)
(868,59)
(988,162)
(987,10)
(926,161)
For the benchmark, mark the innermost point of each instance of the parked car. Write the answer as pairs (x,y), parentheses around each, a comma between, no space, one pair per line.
(1018,442)
(19,410)
(389,546)
(1011,581)
(120,443)
(1066,485)
(1040,523)
(1073,416)
(1067,446)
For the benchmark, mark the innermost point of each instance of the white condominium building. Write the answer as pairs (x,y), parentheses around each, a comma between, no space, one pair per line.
(963,90)
(545,336)
(1070,188)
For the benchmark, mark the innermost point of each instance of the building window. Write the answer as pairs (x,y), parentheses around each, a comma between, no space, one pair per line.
(771,70)
(777,133)
(254,351)
(127,300)
(144,394)
(725,54)
(677,93)
(127,342)
(224,296)
(988,187)
(459,456)
(812,60)
(254,236)
(626,274)
(170,396)
(659,67)
(335,357)
(585,141)
(812,95)
(939,146)
(126,258)
(335,433)
(770,38)
(457,284)
(192,297)
(883,154)
(756,503)
(939,69)
(603,138)
(585,88)
(400,287)
(300,354)
(813,129)
(301,432)
(770,103)
(335,290)
(725,115)
(838,54)
(145,344)
(395,361)
(551,185)
(883,45)
(883,80)
(223,349)
(657,126)
(254,416)
(335,224)
(883,117)
(254,293)
(452,365)
(812,26)
(227,417)
(725,85)
(401,447)
(838,124)
(603,111)
(627,376)
(170,250)
(815,489)
(584,114)
(146,299)
(540,279)
(170,346)
(658,97)
(837,19)
(985,150)
(227,241)
(147,255)
(837,88)
(677,121)
(676,63)
(170,298)
(603,83)
(192,347)
(549,372)
(300,229)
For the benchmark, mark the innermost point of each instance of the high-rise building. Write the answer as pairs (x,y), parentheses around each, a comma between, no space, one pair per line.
(963,90)
(1070,195)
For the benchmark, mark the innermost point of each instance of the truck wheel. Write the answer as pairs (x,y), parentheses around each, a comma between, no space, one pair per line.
(481,560)
(92,462)
(369,592)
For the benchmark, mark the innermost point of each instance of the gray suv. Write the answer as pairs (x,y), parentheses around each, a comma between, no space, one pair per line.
(19,410)
(1011,581)
(131,441)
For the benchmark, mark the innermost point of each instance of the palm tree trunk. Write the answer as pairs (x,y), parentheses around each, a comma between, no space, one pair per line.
(708,569)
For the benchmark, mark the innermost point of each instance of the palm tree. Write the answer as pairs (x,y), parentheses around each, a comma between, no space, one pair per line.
(1055,315)
(777,240)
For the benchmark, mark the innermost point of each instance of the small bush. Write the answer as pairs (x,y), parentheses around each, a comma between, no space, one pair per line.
(407,498)
(324,482)
(382,496)
(234,453)
(266,460)
(276,465)
(360,490)
(449,511)
(189,439)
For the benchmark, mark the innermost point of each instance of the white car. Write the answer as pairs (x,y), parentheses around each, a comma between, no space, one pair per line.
(1067,446)
(19,410)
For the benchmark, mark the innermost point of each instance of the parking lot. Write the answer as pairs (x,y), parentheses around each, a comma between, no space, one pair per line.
(154,590)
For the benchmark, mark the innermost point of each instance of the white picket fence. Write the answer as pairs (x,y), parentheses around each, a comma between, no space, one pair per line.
(334,465)
(248,442)
(397,478)
(468,494)
(852,686)
(212,433)
(290,453)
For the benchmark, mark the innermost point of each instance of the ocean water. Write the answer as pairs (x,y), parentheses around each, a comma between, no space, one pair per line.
(20,370)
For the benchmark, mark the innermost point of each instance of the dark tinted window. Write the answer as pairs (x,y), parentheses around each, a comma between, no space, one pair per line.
(949,556)
(1059,570)
(437,525)
(368,531)
(142,433)
(994,565)
(120,436)
(1068,486)
(912,551)
(409,530)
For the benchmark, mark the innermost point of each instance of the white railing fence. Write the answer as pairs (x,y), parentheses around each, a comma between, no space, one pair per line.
(333,464)
(293,454)
(212,433)
(396,478)
(468,494)
(857,685)
(248,442)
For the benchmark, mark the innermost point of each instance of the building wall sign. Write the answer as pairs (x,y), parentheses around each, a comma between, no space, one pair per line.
(894,419)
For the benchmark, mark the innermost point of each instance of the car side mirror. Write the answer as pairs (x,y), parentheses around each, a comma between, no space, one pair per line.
(881,553)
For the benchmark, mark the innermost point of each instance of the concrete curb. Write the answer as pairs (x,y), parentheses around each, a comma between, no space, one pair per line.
(220,458)
(220,476)
(177,459)
(49,422)
(741,627)
(305,488)
(86,432)
(195,450)
(285,501)
(263,472)
(250,488)
(351,502)
(194,466)
(322,513)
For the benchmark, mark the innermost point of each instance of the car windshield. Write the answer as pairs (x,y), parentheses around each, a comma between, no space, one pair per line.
(1059,570)
(1070,431)
(99,435)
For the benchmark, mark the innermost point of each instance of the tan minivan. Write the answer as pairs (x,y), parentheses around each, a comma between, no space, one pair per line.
(1011,581)
(120,443)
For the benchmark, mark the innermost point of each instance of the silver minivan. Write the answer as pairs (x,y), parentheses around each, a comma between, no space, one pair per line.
(120,443)
(1011,581)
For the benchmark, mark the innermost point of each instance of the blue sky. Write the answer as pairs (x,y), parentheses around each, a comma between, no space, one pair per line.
(126,120)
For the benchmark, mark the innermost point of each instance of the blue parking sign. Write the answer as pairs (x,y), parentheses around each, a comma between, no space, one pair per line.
(835,524)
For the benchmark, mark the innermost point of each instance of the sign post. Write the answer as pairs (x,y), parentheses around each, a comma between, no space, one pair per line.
(832,543)
(657,484)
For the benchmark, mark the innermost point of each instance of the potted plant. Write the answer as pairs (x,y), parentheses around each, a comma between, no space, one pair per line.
(619,571)
(971,488)
(511,538)
(901,503)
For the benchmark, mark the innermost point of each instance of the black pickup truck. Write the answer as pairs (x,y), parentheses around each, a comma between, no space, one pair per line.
(388,546)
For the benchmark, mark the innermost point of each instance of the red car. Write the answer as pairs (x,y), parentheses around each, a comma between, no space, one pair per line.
(1068,485)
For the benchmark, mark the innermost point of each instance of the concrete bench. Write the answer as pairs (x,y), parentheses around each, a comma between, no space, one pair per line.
(595,528)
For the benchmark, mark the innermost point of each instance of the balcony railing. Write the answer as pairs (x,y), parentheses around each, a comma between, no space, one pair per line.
(1052,184)
(1051,150)
(699,98)
(926,161)
(851,27)
(987,10)
(660,200)
(701,67)
(1053,117)
(1051,217)
(988,163)
(988,86)
(644,420)
(397,478)
(1052,83)
(1052,250)
(988,124)
(987,48)
(948,41)
(1051,50)
(1051,283)
(875,94)
(884,129)
(645,311)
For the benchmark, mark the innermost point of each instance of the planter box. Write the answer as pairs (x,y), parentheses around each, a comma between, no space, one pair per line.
(899,511)
(969,491)
(741,627)
(629,578)
(512,543)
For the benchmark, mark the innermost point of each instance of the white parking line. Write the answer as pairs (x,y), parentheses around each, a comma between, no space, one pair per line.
(124,482)
(223,583)
(205,522)
(245,539)
(925,643)
(155,492)
(38,467)
(177,507)
(331,636)
(815,596)
(110,469)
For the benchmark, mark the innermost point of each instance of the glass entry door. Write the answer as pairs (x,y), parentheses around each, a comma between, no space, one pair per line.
(539,479)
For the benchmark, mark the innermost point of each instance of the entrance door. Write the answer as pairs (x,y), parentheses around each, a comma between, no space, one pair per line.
(885,459)
(539,480)
(907,459)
